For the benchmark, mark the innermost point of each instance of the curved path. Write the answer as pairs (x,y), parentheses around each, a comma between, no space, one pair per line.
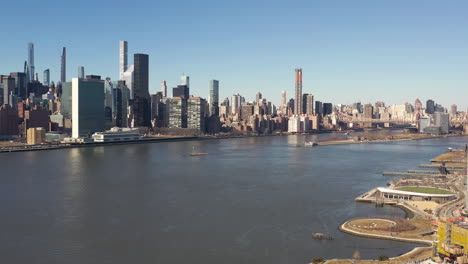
(364,234)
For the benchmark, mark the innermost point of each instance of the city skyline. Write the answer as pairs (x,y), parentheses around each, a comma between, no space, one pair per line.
(367,57)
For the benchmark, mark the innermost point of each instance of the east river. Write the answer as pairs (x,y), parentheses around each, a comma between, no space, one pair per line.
(250,200)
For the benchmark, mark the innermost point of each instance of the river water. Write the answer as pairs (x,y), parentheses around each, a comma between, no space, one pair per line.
(250,200)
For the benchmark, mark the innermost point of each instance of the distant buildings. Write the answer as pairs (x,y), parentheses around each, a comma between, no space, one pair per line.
(164,88)
(81,72)
(442,120)
(185,80)
(8,121)
(430,107)
(46,77)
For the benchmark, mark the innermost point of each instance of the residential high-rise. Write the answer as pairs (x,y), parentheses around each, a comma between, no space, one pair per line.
(31,60)
(81,73)
(123,58)
(87,106)
(177,112)
(308,104)
(430,106)
(164,88)
(213,99)
(46,77)
(185,80)
(63,66)
(196,113)
(298,92)
(141,98)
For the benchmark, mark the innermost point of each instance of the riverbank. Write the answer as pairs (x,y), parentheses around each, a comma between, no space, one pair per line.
(415,137)
(418,227)
(11,147)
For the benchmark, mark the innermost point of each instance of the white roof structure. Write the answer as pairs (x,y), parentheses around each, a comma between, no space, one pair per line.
(392,191)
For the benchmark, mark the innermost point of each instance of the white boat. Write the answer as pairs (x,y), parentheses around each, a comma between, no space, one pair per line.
(310,144)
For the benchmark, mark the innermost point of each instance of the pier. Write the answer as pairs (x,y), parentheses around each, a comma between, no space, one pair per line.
(449,167)
(409,174)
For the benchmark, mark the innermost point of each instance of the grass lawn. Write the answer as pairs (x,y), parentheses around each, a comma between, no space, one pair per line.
(429,190)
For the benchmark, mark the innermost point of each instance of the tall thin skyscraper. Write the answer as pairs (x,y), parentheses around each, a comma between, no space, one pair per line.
(123,58)
(213,99)
(164,88)
(81,73)
(31,60)
(298,95)
(26,71)
(63,66)
(47,77)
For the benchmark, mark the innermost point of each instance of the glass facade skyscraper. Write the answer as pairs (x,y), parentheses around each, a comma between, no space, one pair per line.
(87,106)
(46,77)
(213,99)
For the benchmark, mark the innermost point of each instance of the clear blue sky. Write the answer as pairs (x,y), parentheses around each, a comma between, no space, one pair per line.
(366,50)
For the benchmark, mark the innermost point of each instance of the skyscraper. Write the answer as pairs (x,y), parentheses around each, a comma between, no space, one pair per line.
(181,91)
(123,58)
(31,61)
(20,84)
(308,104)
(213,99)
(87,106)
(164,88)
(81,73)
(47,77)
(298,95)
(63,66)
(196,113)
(258,97)
(128,78)
(185,80)
(141,98)
(430,106)
(26,71)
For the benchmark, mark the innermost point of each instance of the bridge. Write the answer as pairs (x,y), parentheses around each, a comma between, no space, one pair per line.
(454,122)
